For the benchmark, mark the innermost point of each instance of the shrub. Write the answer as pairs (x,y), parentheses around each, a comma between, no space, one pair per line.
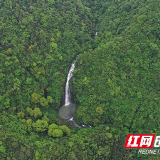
(20,115)
(43,102)
(35,97)
(57,133)
(49,99)
(37,112)
(65,129)
(51,128)
(41,125)
(99,110)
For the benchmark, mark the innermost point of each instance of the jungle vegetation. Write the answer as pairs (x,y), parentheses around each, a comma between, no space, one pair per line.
(116,78)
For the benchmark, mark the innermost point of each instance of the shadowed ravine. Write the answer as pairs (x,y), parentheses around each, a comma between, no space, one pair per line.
(67,111)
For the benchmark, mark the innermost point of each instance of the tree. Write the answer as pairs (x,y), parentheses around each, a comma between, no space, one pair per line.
(35,97)
(49,99)
(57,133)
(51,128)
(40,125)
(37,112)
(20,114)
(99,110)
(65,129)
(43,102)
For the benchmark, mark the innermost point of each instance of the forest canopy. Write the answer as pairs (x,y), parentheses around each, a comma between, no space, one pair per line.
(115,82)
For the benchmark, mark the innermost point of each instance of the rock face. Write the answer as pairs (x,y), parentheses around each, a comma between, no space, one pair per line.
(66,112)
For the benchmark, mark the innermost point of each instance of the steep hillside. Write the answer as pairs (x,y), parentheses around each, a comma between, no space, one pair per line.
(118,82)
(116,77)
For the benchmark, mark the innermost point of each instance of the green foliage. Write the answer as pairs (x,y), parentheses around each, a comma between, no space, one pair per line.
(65,129)
(116,78)
(142,18)
(109,135)
(29,81)
(49,99)
(2,148)
(99,110)
(7,103)
(20,115)
(57,133)
(28,109)
(29,121)
(37,155)
(41,125)
(51,128)
(37,112)
(45,118)
(53,45)
(43,101)
(121,75)
(35,98)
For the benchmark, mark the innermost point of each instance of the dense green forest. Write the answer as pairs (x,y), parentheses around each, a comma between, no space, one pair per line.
(116,78)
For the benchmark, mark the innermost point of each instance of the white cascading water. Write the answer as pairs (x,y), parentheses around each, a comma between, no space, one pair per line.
(67,89)
(96,33)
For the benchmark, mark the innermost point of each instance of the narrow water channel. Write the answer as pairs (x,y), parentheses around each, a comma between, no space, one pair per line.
(67,111)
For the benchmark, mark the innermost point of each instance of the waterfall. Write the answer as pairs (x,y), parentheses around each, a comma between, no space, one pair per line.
(68,109)
(67,89)
(66,112)
(96,33)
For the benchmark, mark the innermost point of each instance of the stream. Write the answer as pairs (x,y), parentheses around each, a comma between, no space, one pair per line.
(67,111)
